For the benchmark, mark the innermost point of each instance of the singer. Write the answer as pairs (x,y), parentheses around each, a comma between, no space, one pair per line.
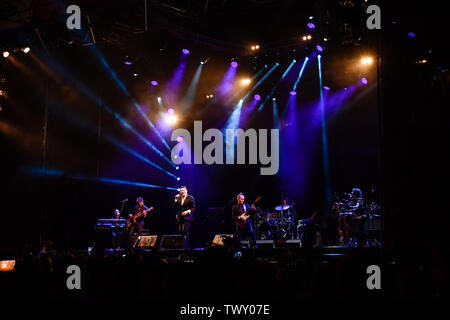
(185,206)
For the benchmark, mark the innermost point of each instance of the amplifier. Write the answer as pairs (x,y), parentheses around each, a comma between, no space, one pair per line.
(171,241)
(146,241)
(223,240)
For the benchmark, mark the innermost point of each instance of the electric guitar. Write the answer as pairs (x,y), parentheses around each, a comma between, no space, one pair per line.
(132,220)
(242,219)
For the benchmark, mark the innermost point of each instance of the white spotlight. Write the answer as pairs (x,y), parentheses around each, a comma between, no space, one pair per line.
(245,81)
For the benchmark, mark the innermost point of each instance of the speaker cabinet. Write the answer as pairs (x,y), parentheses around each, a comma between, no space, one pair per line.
(290,243)
(171,241)
(147,241)
(223,240)
(264,244)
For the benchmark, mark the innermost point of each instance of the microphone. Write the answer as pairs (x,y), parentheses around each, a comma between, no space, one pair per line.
(124,200)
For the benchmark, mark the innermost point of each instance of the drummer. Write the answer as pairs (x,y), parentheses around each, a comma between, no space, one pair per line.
(286,208)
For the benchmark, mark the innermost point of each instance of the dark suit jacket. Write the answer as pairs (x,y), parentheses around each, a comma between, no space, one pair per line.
(236,211)
(189,204)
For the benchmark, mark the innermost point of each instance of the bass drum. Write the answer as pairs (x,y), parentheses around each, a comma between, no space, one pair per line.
(268,229)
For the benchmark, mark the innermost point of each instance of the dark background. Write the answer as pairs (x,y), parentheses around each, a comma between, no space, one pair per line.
(389,139)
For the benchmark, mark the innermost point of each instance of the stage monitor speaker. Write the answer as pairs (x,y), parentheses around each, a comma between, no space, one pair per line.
(171,241)
(290,243)
(263,244)
(147,241)
(222,239)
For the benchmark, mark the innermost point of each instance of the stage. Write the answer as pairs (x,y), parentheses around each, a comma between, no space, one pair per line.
(310,130)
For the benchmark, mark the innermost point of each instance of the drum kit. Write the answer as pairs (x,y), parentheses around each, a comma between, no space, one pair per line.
(357,227)
(279,224)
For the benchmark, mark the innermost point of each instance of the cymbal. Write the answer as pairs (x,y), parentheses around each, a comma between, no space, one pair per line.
(282,207)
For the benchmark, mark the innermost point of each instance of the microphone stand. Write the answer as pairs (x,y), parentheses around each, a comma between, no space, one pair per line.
(123,205)
(120,231)
(222,210)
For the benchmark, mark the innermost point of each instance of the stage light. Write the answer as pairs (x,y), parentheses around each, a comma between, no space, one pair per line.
(178,179)
(366,60)
(364,81)
(325,39)
(159,99)
(257,97)
(300,74)
(411,34)
(177,168)
(293,93)
(127,61)
(326,88)
(234,64)
(135,74)
(170,117)
(154,83)
(304,38)
(1,93)
(5,54)
(311,25)
(26,49)
(185,51)
(7,265)
(311,17)
(246,81)
(309,37)
(319,48)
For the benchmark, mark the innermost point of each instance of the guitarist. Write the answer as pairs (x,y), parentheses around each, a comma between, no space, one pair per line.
(185,206)
(139,210)
(243,227)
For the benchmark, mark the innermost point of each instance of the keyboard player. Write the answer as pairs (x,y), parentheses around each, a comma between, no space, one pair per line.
(116,214)
(117,233)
